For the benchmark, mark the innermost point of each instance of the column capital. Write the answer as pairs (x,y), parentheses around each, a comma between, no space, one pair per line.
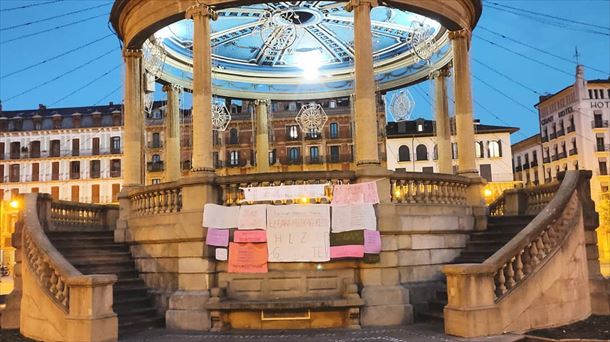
(355,3)
(132,53)
(442,72)
(453,35)
(199,9)
(170,87)
(260,102)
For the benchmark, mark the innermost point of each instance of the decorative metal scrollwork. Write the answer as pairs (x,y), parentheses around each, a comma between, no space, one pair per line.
(421,41)
(278,29)
(311,118)
(402,105)
(220,117)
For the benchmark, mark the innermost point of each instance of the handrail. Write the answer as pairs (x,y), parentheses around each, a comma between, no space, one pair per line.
(67,213)
(424,188)
(512,263)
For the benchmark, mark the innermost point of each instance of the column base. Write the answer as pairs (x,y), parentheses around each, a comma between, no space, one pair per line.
(385,306)
(187,311)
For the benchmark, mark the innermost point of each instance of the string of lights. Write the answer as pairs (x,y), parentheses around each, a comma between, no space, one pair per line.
(28,6)
(538,49)
(51,29)
(87,85)
(51,18)
(61,75)
(78,48)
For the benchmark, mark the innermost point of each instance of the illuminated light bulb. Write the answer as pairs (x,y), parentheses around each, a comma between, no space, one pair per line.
(310,62)
(304,200)
(14,204)
(487,193)
(397,193)
(319,266)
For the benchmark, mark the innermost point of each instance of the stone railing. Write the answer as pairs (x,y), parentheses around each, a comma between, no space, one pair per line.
(428,188)
(476,290)
(75,307)
(497,207)
(231,194)
(523,201)
(540,196)
(64,213)
(156,199)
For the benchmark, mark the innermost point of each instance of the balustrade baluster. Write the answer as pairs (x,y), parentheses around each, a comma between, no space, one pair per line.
(519,267)
(534,253)
(510,274)
(501,287)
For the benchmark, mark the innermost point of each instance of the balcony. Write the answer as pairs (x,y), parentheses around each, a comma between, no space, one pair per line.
(237,163)
(546,160)
(526,166)
(573,152)
(315,160)
(95,174)
(562,155)
(115,173)
(75,175)
(154,145)
(534,163)
(545,138)
(554,157)
(336,158)
(599,124)
(602,147)
(571,129)
(15,155)
(291,161)
(552,136)
(561,132)
(115,150)
(154,166)
(13,178)
(518,168)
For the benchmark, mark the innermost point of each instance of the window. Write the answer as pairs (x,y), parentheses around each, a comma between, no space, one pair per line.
(272,157)
(403,153)
(312,134)
(293,154)
(15,150)
(115,192)
(1,151)
(55,171)
(1,176)
(95,193)
(55,148)
(427,169)
(293,132)
(603,168)
(534,156)
(55,193)
(234,158)
(334,154)
(494,149)
(156,158)
(14,173)
(95,146)
(115,145)
(233,138)
(334,130)
(75,169)
(35,172)
(421,152)
(454,151)
(35,149)
(75,196)
(75,147)
(420,127)
(314,154)
(156,140)
(435,152)
(485,170)
(94,169)
(115,168)
(478,149)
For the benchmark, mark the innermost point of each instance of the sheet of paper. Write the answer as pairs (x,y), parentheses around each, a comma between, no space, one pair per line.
(347,251)
(222,254)
(360,193)
(247,258)
(298,244)
(217,237)
(252,216)
(283,192)
(353,217)
(298,216)
(219,216)
(250,236)
(372,242)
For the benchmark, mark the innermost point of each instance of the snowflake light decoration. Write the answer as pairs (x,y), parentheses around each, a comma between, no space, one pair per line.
(421,42)
(220,117)
(153,57)
(311,118)
(402,106)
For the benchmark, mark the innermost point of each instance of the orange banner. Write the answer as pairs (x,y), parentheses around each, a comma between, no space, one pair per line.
(247,257)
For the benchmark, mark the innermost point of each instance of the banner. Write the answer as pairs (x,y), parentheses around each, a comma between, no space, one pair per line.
(218,216)
(359,193)
(372,242)
(299,216)
(283,192)
(348,251)
(250,236)
(252,216)
(217,237)
(353,217)
(247,258)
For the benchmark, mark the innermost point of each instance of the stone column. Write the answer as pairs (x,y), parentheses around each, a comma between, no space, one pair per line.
(262,136)
(172,134)
(202,88)
(133,117)
(365,108)
(463,103)
(443,129)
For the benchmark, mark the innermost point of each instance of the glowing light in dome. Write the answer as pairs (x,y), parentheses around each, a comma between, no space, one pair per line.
(309,62)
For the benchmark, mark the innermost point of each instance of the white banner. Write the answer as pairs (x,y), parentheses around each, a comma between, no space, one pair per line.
(218,216)
(353,217)
(299,216)
(253,216)
(283,192)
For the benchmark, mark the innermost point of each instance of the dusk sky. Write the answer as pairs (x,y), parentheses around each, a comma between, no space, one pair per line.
(498,100)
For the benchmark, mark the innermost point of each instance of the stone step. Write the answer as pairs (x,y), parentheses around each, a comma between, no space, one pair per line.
(83,239)
(128,283)
(99,259)
(124,304)
(430,316)
(94,254)
(137,313)
(88,245)
(81,233)
(140,324)
(104,263)
(510,218)
(486,236)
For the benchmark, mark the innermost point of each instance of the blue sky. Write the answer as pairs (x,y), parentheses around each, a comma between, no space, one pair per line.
(509,104)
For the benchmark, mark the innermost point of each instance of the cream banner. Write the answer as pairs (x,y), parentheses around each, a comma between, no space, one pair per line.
(299,216)
(353,217)
(283,192)
(218,216)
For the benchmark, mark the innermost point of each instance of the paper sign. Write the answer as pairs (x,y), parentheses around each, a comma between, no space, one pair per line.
(283,192)
(298,216)
(217,237)
(297,244)
(354,237)
(221,254)
(250,236)
(372,242)
(359,193)
(247,258)
(252,216)
(219,216)
(348,251)
(353,217)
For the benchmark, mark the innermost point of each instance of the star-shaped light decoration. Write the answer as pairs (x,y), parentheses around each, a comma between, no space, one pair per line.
(402,106)
(220,117)
(311,118)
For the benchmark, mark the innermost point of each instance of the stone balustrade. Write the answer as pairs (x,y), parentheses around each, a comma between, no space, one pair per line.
(497,207)
(540,196)
(428,188)
(64,213)
(156,199)
(232,194)
(506,291)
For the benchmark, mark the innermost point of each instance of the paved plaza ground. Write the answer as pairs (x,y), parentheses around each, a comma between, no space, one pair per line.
(411,333)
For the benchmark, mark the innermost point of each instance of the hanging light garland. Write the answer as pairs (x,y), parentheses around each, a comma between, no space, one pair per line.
(311,118)
(402,105)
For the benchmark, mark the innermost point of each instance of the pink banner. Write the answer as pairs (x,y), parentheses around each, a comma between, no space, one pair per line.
(360,193)
(250,236)
(247,258)
(372,242)
(217,237)
(349,251)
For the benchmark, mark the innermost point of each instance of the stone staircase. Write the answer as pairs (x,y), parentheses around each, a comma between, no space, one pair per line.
(480,246)
(95,252)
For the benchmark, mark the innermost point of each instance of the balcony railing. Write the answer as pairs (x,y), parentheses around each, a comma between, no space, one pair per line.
(533,163)
(561,132)
(546,160)
(573,151)
(75,175)
(526,166)
(115,173)
(154,166)
(291,161)
(237,163)
(15,155)
(315,160)
(562,155)
(599,123)
(571,129)
(545,138)
(154,145)
(554,157)
(339,158)
(518,168)
(552,136)
(602,147)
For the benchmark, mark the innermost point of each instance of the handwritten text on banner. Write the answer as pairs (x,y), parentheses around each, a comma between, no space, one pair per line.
(283,192)
(247,258)
(298,216)
(253,216)
(355,193)
(250,236)
(219,216)
(217,237)
(353,217)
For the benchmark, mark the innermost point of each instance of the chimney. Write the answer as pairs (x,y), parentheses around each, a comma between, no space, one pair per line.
(580,85)
(110,104)
(41,109)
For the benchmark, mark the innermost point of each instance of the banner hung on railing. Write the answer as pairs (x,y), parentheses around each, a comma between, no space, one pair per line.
(359,193)
(284,192)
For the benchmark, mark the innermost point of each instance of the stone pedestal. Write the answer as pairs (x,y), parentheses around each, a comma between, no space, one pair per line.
(385,305)
(186,311)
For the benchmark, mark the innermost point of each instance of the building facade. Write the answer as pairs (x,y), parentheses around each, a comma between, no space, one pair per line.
(527,161)
(412,146)
(71,153)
